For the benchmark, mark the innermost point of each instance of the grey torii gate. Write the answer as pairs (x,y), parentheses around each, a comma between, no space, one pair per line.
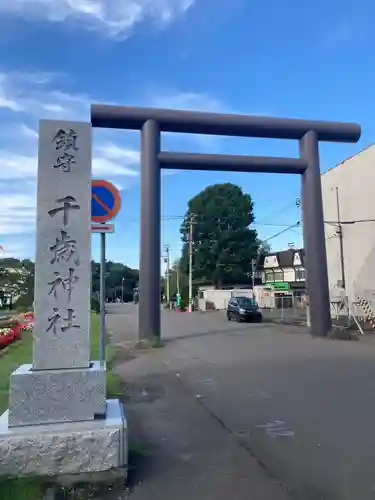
(151,122)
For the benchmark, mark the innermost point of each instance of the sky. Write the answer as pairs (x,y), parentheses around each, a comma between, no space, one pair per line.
(297,59)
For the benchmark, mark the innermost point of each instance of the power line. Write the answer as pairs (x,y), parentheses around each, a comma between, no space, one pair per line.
(281,210)
(166,218)
(296,224)
(176,217)
(347,222)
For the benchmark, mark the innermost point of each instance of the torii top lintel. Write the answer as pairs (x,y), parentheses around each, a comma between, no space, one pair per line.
(194,122)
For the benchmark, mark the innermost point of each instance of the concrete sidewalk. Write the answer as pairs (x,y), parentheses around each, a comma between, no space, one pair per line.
(185,452)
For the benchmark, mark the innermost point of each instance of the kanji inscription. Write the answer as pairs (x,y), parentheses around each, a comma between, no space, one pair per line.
(63,263)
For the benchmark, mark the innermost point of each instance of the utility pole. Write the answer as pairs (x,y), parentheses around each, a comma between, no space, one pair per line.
(341,240)
(167,261)
(191,222)
(178,277)
(253,264)
(178,295)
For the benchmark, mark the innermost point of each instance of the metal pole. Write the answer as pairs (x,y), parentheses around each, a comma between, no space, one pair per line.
(168,294)
(122,290)
(191,264)
(149,269)
(314,238)
(341,238)
(102,298)
(178,277)
(169,279)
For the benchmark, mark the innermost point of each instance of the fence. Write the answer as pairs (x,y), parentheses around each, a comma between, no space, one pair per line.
(289,309)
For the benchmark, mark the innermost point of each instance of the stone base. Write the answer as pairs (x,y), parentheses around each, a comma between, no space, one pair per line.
(64,449)
(56,396)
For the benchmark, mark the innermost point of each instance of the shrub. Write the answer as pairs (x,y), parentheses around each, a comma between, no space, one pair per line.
(95,305)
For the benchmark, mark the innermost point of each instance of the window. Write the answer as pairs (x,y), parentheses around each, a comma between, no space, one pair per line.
(268,276)
(300,274)
(278,276)
(246,302)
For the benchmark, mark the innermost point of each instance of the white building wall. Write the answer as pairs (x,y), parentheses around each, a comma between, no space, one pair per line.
(355,180)
(289,274)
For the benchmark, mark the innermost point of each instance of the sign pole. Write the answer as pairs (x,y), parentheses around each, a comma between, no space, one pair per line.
(105,204)
(102,298)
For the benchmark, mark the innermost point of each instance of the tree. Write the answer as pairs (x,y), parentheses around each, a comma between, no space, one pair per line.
(223,243)
(264,247)
(120,280)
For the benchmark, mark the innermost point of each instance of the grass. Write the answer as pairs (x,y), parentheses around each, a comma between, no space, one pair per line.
(115,385)
(16,354)
(19,353)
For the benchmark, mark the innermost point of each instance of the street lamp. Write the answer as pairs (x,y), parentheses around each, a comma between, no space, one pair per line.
(122,290)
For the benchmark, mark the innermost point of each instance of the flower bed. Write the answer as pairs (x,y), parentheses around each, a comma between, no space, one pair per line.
(12,329)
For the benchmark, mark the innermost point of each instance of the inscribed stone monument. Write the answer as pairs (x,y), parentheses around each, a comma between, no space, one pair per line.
(59,421)
(63,253)
(61,385)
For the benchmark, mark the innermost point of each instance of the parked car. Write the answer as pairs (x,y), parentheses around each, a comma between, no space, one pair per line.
(244,309)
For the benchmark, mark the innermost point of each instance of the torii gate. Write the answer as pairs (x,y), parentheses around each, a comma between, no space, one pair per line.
(152,122)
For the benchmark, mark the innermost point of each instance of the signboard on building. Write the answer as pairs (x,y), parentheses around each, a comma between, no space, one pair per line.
(280,286)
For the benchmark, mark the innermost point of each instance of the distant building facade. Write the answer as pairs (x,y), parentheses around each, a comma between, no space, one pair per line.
(284,271)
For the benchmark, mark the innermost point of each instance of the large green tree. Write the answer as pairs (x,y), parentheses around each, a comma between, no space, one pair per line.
(223,243)
(120,280)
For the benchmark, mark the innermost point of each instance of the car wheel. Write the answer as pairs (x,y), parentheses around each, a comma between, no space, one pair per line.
(229,318)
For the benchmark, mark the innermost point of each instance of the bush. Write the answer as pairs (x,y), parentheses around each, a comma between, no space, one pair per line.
(95,305)
(8,323)
(183,305)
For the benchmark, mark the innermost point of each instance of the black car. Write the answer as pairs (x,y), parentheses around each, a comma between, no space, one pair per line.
(244,309)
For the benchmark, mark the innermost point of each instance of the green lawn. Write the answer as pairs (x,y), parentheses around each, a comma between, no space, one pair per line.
(19,353)
(11,358)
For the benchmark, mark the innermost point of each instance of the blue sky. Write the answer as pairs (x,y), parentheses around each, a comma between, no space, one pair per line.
(289,58)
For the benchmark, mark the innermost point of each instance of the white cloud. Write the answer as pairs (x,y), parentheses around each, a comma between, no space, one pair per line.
(35,95)
(114,152)
(193,101)
(17,166)
(28,132)
(17,213)
(21,166)
(7,102)
(101,166)
(20,250)
(114,18)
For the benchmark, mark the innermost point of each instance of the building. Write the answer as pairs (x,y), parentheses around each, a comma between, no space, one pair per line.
(284,272)
(349,215)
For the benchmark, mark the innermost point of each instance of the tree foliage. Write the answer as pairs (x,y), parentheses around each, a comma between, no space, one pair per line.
(17,280)
(119,278)
(223,243)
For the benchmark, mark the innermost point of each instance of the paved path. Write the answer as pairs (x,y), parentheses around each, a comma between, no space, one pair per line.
(301,410)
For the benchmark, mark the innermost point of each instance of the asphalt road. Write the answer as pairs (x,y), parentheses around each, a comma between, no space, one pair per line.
(304,407)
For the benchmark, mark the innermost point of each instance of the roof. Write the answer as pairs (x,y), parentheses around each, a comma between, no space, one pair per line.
(285,258)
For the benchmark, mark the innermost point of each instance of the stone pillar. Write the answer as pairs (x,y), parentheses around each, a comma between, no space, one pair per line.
(149,269)
(61,385)
(63,247)
(314,238)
